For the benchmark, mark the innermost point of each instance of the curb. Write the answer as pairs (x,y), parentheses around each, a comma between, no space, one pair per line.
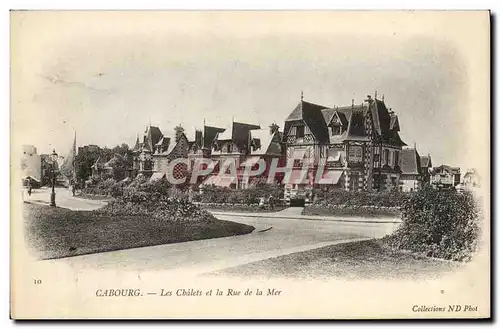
(331,219)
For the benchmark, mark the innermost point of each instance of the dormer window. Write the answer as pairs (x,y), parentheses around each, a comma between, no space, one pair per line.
(336,125)
(300,132)
(336,129)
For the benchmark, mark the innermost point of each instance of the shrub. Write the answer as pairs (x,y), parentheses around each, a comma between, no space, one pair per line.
(212,194)
(161,186)
(359,198)
(156,205)
(439,223)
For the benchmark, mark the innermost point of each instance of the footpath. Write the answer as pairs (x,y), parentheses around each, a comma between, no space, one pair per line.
(296,213)
(64,199)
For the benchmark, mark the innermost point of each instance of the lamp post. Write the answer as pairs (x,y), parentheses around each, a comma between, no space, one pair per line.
(53,194)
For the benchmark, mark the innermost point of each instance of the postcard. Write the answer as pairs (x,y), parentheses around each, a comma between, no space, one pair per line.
(250,164)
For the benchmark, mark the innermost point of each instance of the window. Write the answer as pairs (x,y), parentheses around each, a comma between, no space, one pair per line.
(229,148)
(396,158)
(355,153)
(336,130)
(300,132)
(386,157)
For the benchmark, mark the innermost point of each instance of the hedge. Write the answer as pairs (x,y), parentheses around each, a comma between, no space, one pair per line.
(359,198)
(439,223)
(252,195)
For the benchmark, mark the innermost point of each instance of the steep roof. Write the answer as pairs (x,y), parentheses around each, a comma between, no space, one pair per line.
(152,136)
(382,124)
(312,116)
(209,134)
(318,117)
(266,142)
(239,133)
(426,161)
(410,162)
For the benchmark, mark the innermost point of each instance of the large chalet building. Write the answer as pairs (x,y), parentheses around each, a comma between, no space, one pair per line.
(243,143)
(359,145)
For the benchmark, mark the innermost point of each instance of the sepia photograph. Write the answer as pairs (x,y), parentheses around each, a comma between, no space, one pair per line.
(250,164)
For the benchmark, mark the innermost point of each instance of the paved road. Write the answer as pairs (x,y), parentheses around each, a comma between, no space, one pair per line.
(273,236)
(64,199)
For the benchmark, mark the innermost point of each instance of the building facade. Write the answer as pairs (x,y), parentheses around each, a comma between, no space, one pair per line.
(445,177)
(471,179)
(412,171)
(359,145)
(31,164)
(152,155)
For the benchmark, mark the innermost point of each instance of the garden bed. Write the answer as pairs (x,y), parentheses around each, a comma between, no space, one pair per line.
(57,232)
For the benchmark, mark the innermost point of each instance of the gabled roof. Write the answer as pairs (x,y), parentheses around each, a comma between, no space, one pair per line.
(112,161)
(163,143)
(318,117)
(410,162)
(152,137)
(452,170)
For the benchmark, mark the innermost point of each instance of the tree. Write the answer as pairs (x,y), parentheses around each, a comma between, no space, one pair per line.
(84,162)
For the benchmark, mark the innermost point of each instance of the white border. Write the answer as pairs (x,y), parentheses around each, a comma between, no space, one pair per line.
(189,5)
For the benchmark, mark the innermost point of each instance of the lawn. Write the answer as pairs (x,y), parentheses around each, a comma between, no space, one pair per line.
(349,261)
(57,232)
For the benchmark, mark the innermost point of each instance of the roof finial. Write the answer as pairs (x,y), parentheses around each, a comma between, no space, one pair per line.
(375,94)
(352,102)
(382,97)
(415,145)
(301,95)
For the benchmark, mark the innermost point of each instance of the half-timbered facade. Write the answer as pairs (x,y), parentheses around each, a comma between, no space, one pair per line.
(359,146)
(153,155)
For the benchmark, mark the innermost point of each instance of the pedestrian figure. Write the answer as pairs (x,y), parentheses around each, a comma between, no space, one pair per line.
(73,188)
(271,202)
(29,187)
(262,202)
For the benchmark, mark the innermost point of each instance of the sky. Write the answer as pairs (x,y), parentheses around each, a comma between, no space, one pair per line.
(108,75)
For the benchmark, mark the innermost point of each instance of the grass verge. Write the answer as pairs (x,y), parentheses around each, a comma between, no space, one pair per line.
(369,259)
(57,232)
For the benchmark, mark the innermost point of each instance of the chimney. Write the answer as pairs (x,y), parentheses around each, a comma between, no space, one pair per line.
(368,99)
(273,128)
(198,135)
(178,132)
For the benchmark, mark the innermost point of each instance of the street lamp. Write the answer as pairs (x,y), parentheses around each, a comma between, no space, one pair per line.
(53,167)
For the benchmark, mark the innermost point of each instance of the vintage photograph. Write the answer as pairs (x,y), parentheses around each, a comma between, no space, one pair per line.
(250,165)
